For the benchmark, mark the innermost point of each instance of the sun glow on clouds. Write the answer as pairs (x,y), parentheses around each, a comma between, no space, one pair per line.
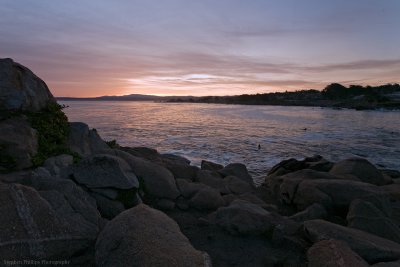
(180,47)
(178,84)
(184,80)
(201,84)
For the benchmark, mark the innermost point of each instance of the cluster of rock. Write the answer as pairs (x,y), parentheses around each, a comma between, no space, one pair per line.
(137,207)
(351,203)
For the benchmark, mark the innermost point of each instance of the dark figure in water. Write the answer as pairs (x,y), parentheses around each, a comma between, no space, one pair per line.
(259,146)
(305,129)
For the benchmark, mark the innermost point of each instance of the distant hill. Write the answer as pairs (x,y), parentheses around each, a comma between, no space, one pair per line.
(132,97)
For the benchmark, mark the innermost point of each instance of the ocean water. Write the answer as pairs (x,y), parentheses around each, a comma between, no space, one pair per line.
(231,133)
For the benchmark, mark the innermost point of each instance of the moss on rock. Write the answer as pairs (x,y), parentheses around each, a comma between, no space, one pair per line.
(113,144)
(53,130)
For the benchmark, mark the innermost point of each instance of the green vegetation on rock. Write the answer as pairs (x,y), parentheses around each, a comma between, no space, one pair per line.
(53,129)
(113,144)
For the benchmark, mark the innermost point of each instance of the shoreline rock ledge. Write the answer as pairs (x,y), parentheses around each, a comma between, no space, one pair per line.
(67,195)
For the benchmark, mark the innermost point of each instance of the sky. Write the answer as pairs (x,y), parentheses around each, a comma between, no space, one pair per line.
(87,48)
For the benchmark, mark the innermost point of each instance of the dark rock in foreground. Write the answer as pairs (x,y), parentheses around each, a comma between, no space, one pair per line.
(49,224)
(105,171)
(18,144)
(364,215)
(333,253)
(371,248)
(142,236)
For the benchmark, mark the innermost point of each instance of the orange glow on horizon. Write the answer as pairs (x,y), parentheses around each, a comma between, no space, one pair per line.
(177,86)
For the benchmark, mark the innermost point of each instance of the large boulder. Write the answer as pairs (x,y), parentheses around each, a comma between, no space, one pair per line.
(242,217)
(284,187)
(212,179)
(108,207)
(18,176)
(370,247)
(165,204)
(110,180)
(359,168)
(18,144)
(201,196)
(237,186)
(142,236)
(206,198)
(286,166)
(189,189)
(71,204)
(393,191)
(315,211)
(150,154)
(286,234)
(365,216)
(252,198)
(210,166)
(333,253)
(84,141)
(105,171)
(334,193)
(239,170)
(316,162)
(50,224)
(158,182)
(57,165)
(179,167)
(175,159)
(20,89)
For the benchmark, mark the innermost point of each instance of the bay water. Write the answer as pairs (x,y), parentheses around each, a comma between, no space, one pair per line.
(233,133)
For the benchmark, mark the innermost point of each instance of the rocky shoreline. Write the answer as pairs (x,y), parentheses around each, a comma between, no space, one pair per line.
(85,202)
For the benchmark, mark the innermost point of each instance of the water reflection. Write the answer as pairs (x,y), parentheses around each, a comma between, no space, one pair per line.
(231,133)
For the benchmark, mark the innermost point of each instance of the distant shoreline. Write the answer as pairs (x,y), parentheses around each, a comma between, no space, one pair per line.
(334,95)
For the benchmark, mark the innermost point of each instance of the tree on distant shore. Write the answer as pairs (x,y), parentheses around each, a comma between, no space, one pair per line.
(335,91)
(338,91)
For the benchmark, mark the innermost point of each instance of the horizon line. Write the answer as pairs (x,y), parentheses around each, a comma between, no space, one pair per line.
(286,91)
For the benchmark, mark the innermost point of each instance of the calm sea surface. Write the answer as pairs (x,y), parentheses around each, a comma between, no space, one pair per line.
(232,133)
